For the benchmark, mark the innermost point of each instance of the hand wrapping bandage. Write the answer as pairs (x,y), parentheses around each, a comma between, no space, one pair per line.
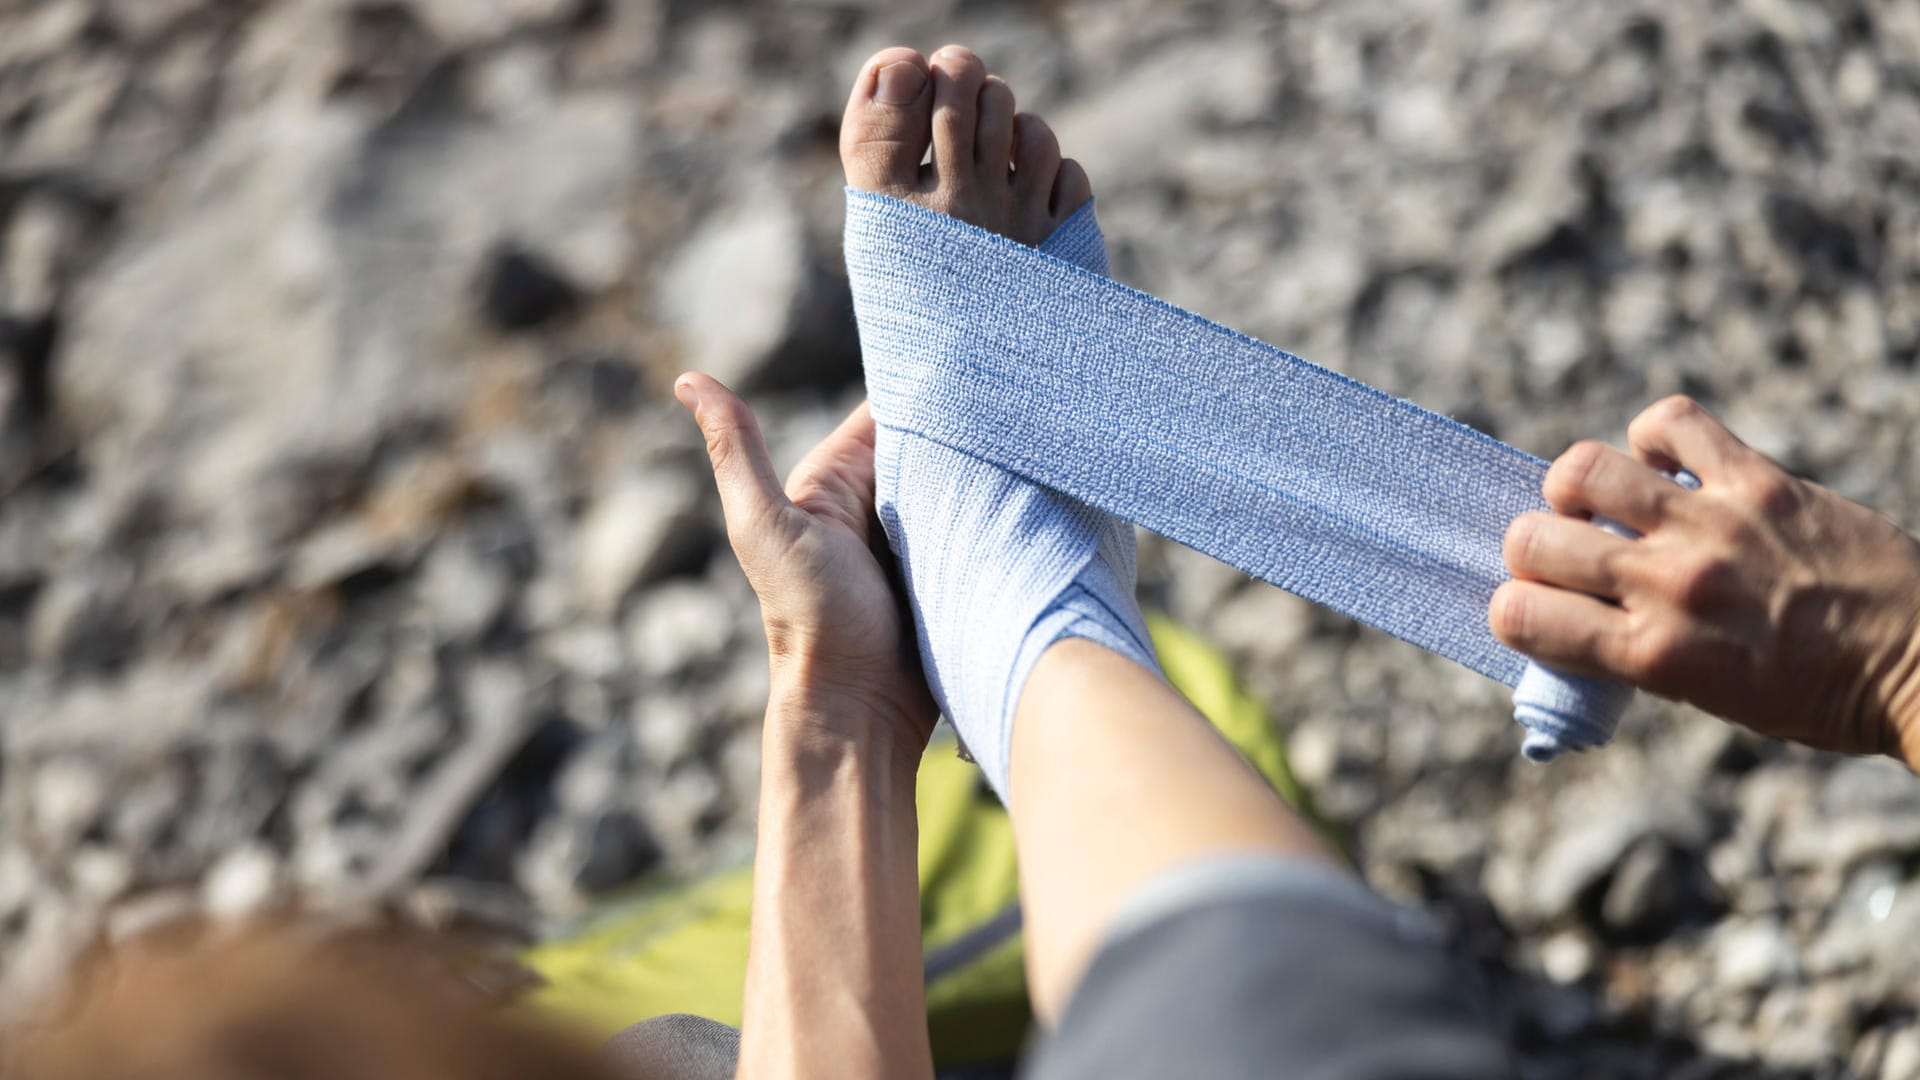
(1018,362)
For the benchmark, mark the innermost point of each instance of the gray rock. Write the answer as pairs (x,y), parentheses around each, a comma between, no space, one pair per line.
(241,883)
(1754,953)
(677,626)
(667,728)
(634,533)
(20,881)
(1656,888)
(592,778)
(460,24)
(618,850)
(1902,1056)
(751,302)
(1586,850)
(464,592)
(83,624)
(683,808)
(68,797)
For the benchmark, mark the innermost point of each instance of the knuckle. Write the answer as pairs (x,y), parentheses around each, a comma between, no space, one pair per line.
(1510,615)
(1676,409)
(1772,493)
(1521,545)
(1616,564)
(1574,472)
(721,446)
(1701,582)
(1655,653)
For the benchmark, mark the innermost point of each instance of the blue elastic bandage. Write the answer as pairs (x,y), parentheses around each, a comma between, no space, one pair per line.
(1021,360)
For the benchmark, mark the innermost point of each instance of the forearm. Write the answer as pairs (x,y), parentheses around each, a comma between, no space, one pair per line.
(834,980)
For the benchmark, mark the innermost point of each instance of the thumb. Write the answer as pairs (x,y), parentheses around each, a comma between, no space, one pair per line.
(742,469)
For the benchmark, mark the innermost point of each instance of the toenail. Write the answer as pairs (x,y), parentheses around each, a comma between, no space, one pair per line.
(900,83)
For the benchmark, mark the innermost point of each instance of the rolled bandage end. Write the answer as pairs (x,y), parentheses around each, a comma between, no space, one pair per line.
(1563,712)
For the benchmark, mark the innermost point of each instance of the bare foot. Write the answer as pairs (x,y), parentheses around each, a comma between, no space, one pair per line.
(991,166)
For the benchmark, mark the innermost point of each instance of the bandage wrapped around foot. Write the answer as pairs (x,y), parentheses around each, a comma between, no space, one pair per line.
(991,359)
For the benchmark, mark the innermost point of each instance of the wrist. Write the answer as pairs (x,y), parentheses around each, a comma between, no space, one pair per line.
(810,724)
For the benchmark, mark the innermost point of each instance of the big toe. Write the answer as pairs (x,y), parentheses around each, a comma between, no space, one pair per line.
(888,122)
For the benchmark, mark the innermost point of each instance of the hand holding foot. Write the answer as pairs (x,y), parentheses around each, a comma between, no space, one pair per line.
(1761,598)
(836,631)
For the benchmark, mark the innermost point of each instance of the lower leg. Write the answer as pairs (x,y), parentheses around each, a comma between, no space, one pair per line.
(1116,780)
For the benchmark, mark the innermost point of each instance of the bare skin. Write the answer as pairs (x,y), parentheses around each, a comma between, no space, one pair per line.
(834,986)
(1761,598)
(991,166)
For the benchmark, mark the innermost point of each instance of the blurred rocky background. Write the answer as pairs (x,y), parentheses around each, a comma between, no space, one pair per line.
(352,549)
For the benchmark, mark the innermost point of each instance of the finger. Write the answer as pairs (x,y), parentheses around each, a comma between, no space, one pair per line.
(742,469)
(1592,478)
(1677,431)
(1567,553)
(836,477)
(1566,630)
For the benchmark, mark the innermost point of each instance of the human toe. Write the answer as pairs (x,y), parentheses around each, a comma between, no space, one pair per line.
(958,76)
(885,130)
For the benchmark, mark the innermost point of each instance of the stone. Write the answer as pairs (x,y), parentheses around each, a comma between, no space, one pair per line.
(1656,889)
(1583,853)
(667,728)
(68,796)
(464,23)
(82,623)
(41,245)
(750,303)
(592,778)
(683,807)
(241,883)
(1902,1056)
(618,850)
(144,20)
(1752,954)
(641,529)
(100,874)
(1567,957)
(677,626)
(464,592)
(523,291)
(20,880)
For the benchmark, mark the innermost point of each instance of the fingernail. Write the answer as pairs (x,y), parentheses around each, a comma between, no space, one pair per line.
(900,83)
(684,391)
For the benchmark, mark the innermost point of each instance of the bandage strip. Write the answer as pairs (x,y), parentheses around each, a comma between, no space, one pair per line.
(1322,485)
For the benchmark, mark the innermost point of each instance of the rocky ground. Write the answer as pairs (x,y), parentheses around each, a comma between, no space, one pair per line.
(351,548)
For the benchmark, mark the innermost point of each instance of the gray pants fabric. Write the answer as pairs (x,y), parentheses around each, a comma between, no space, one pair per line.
(1237,967)
(1263,967)
(678,1046)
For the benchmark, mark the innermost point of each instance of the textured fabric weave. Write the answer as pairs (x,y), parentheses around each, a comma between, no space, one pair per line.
(999,567)
(1023,362)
